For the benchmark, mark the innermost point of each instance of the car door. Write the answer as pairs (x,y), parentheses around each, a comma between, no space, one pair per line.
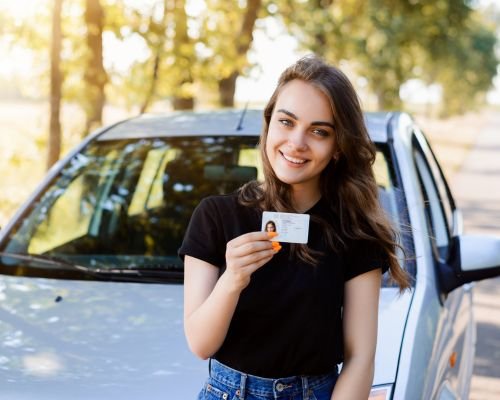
(450,368)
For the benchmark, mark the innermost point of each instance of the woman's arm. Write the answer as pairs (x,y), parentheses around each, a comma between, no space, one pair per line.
(360,319)
(209,302)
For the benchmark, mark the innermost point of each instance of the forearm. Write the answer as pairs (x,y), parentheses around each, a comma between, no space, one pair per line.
(355,380)
(207,326)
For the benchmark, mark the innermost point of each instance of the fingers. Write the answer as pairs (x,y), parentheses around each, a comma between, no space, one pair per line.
(254,258)
(251,237)
(247,253)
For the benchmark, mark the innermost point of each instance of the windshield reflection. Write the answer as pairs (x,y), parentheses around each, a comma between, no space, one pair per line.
(127,203)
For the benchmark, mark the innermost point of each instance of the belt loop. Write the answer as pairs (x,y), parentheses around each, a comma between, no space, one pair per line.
(243,381)
(305,387)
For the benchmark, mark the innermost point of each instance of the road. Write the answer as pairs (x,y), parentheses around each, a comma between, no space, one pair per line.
(477,190)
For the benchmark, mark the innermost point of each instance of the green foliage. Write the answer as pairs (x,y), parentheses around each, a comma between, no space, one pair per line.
(167,70)
(185,54)
(391,41)
(472,65)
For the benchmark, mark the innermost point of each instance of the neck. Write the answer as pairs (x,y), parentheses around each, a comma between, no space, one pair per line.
(304,198)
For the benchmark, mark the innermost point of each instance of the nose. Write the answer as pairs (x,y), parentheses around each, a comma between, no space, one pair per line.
(297,139)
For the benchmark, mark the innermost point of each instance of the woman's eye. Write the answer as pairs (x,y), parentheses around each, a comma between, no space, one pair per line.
(285,122)
(320,132)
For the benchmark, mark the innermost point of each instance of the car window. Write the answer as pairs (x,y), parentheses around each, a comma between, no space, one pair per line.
(438,205)
(133,197)
(127,203)
(386,186)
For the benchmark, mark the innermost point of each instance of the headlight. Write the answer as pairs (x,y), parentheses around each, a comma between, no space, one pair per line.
(380,392)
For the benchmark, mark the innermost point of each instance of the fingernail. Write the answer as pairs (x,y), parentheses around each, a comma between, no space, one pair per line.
(272,234)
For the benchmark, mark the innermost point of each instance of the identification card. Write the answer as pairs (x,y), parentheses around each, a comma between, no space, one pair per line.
(291,228)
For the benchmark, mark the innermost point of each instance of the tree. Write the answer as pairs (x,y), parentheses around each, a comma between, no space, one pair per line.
(156,39)
(227,84)
(169,71)
(183,51)
(226,37)
(95,76)
(54,147)
(388,41)
(473,65)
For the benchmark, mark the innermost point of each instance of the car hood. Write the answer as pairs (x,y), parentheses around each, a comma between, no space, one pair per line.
(94,340)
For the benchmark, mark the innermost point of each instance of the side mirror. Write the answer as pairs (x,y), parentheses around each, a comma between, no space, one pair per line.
(480,256)
(474,257)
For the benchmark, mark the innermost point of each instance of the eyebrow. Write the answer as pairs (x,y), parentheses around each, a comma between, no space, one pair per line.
(315,123)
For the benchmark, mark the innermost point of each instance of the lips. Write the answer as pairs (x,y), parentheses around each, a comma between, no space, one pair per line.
(293,160)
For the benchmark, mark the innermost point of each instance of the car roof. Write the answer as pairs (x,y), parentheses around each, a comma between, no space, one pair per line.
(230,122)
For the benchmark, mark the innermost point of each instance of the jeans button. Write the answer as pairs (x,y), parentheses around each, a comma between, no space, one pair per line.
(279,387)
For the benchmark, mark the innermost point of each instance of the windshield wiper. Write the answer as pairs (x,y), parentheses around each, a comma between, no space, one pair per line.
(161,273)
(47,260)
(142,274)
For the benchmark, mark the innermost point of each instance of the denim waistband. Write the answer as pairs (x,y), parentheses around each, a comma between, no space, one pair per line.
(258,386)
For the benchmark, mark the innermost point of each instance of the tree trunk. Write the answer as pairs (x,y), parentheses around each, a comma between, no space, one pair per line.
(184,51)
(159,29)
(227,85)
(227,88)
(183,103)
(152,88)
(95,76)
(54,148)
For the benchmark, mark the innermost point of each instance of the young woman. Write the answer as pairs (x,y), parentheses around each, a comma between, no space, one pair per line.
(276,320)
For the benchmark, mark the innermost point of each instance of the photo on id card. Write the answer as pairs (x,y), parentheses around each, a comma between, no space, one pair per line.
(290,227)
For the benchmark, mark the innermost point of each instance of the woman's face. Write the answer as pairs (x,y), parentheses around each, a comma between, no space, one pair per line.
(270,227)
(300,141)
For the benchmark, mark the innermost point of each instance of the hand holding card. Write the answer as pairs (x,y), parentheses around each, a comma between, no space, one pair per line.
(291,228)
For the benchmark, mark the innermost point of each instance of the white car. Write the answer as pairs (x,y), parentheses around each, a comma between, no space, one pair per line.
(91,285)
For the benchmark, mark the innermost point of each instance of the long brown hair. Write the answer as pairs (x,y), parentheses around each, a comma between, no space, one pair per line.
(347,183)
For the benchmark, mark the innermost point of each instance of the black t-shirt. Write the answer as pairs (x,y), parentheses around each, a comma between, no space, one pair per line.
(288,320)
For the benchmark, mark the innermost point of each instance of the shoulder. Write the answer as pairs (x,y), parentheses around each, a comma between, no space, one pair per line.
(224,217)
(226,205)
(220,202)
(366,255)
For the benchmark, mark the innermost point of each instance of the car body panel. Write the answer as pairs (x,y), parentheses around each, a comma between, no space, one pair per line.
(421,368)
(207,123)
(94,340)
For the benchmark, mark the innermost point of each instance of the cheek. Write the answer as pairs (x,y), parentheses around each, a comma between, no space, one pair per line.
(270,144)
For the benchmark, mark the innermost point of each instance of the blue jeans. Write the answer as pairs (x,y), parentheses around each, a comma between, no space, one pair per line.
(225,383)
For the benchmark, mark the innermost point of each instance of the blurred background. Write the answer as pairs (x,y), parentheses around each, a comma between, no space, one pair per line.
(70,66)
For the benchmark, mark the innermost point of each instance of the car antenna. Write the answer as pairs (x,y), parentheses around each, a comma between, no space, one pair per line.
(240,122)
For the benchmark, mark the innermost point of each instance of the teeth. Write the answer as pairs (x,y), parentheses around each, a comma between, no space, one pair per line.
(294,160)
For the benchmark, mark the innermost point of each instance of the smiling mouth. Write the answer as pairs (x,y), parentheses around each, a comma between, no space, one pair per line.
(293,160)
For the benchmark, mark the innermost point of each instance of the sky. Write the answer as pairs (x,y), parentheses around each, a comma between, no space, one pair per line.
(272,53)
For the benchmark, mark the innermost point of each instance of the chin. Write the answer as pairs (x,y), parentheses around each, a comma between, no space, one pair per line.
(288,180)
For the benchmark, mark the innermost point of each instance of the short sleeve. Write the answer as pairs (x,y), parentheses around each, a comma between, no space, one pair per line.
(203,237)
(364,256)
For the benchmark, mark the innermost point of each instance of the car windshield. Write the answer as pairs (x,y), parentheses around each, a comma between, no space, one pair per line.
(125,204)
